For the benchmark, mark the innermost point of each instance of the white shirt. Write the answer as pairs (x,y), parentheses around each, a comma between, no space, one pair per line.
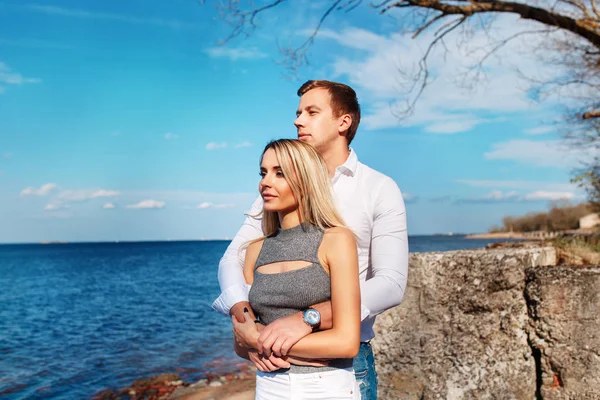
(371,205)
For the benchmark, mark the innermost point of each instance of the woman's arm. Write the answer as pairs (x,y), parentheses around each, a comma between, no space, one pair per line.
(343,339)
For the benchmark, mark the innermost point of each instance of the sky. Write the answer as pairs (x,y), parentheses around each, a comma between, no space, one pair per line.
(134,120)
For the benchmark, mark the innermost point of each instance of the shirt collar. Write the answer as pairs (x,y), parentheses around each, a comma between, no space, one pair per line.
(349,167)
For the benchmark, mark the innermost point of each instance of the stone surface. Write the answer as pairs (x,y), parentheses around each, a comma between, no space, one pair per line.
(564,310)
(461,331)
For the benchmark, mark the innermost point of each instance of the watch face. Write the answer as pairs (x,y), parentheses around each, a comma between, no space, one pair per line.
(312,317)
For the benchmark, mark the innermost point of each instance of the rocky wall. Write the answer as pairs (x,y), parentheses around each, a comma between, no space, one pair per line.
(465,331)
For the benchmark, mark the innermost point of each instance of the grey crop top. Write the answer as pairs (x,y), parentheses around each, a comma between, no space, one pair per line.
(276,295)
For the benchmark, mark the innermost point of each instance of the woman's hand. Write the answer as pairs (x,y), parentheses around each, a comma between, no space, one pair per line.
(246,333)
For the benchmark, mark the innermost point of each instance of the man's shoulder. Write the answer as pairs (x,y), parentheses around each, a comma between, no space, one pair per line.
(373,177)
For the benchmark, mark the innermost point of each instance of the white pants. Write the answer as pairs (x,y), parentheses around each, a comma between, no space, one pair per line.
(328,385)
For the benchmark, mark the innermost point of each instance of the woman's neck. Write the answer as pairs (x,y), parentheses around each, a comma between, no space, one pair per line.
(289,219)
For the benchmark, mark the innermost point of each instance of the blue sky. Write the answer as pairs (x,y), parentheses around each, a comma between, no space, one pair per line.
(126,120)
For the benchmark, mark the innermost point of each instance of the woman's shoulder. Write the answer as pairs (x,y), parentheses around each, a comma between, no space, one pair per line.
(255,245)
(338,235)
(254,248)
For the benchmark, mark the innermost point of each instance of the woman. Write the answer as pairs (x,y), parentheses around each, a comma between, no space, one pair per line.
(306,257)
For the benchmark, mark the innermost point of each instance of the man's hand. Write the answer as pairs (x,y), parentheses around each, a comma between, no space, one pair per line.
(238,311)
(280,335)
(267,364)
(246,333)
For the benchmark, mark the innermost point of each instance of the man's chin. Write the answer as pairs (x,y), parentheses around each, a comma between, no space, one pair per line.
(306,138)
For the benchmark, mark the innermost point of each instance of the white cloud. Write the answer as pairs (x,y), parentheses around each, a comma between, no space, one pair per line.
(44,190)
(540,130)
(541,195)
(171,136)
(14,78)
(192,196)
(243,144)
(234,54)
(56,206)
(207,204)
(224,145)
(550,153)
(452,126)
(79,195)
(78,13)
(497,196)
(519,184)
(229,205)
(374,69)
(216,146)
(409,197)
(148,204)
(108,206)
(440,199)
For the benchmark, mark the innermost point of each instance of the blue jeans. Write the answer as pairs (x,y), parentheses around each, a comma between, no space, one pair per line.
(364,370)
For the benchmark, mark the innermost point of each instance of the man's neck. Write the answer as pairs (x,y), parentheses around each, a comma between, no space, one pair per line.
(335,157)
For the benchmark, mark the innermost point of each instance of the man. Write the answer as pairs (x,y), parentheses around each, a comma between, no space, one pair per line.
(370,204)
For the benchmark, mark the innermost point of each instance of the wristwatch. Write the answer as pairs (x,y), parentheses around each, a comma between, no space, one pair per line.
(311,318)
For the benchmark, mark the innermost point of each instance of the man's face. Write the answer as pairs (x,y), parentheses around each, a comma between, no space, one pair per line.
(315,120)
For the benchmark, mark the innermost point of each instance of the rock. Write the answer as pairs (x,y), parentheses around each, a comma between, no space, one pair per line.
(454,339)
(564,310)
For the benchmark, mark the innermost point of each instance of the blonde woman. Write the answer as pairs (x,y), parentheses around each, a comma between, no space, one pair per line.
(306,257)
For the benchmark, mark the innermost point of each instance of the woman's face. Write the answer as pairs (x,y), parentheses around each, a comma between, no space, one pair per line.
(273,187)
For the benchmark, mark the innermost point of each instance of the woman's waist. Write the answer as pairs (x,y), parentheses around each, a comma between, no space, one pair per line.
(335,364)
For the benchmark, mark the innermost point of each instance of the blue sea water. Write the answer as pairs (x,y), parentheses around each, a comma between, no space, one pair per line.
(78,318)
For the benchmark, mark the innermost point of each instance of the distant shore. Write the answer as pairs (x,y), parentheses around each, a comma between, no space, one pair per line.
(497,235)
(534,235)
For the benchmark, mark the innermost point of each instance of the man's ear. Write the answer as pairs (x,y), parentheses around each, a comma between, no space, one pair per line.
(345,122)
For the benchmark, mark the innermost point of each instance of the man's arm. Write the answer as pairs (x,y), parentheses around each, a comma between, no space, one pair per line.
(383,290)
(234,290)
(389,252)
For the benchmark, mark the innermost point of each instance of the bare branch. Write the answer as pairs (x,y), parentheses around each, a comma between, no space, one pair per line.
(297,57)
(428,24)
(242,18)
(583,28)
(591,115)
(595,8)
(423,73)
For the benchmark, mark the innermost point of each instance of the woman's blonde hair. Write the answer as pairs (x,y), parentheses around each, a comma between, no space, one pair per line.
(306,173)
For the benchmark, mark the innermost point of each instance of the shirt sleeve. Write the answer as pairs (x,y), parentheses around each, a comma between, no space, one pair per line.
(231,267)
(386,284)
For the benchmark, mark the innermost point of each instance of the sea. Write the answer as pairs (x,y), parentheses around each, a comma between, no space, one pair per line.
(78,318)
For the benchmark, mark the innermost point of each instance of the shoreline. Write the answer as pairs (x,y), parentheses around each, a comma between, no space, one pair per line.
(235,385)
(498,235)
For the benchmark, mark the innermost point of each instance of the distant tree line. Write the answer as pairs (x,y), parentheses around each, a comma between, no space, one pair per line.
(561,216)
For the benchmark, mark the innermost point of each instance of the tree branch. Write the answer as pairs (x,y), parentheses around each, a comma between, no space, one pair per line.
(423,73)
(581,27)
(591,115)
